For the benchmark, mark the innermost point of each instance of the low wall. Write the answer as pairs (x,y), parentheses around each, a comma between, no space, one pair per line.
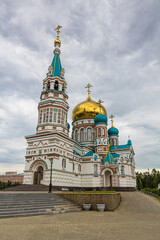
(111,200)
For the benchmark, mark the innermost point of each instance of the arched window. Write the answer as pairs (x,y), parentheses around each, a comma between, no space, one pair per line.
(89,133)
(99,132)
(56,85)
(82,135)
(79,168)
(76,135)
(103,131)
(48,85)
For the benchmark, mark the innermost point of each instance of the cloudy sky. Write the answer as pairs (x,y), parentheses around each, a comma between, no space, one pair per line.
(112,44)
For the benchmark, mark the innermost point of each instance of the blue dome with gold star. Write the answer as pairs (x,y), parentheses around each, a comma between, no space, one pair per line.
(113,131)
(100,118)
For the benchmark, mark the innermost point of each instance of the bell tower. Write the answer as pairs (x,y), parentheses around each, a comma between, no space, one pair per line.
(53,106)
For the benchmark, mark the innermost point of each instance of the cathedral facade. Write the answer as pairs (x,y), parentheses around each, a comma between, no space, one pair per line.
(92,157)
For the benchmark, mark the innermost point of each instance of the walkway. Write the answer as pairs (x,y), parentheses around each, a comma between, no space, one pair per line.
(137,218)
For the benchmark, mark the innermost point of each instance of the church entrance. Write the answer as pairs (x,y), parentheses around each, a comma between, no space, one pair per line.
(107,179)
(38,175)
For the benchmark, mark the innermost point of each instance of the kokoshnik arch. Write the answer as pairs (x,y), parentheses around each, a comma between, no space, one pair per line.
(92,157)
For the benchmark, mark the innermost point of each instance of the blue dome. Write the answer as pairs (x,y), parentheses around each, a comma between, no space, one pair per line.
(68,126)
(100,118)
(113,131)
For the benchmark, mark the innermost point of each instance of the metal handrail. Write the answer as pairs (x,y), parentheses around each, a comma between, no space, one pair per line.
(150,193)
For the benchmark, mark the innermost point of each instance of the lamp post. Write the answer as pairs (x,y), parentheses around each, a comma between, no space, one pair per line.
(50,185)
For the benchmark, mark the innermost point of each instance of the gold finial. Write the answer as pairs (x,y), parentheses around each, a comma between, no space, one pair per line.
(58,31)
(111,117)
(108,146)
(89,86)
(99,103)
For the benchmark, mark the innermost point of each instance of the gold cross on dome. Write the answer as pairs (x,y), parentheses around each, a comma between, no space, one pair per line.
(89,86)
(111,117)
(57,29)
(100,101)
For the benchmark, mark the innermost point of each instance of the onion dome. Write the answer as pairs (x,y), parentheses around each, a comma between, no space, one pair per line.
(113,131)
(68,126)
(88,109)
(100,118)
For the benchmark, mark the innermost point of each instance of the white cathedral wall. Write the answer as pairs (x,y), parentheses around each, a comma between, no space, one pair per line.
(90,180)
(127,181)
(87,168)
(28,177)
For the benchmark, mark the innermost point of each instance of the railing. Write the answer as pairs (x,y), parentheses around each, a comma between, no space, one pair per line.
(151,194)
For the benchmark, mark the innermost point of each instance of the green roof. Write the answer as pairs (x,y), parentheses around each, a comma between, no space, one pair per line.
(109,158)
(56,65)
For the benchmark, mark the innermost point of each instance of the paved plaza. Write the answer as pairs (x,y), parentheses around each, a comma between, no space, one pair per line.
(138,217)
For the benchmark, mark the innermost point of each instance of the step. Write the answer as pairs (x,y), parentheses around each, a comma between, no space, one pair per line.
(24,204)
(24,215)
(26,207)
(34,213)
(53,208)
(34,205)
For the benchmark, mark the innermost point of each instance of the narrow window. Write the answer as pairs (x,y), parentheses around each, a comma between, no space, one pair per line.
(95,169)
(63,87)
(89,132)
(63,164)
(99,132)
(55,116)
(122,170)
(82,135)
(48,85)
(56,85)
(76,135)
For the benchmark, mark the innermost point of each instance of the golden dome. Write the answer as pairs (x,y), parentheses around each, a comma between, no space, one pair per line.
(88,109)
(57,41)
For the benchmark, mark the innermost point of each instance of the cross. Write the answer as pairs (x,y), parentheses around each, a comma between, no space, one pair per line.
(100,101)
(108,145)
(89,86)
(111,117)
(57,29)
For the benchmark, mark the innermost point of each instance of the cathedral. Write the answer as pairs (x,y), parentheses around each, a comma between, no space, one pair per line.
(92,157)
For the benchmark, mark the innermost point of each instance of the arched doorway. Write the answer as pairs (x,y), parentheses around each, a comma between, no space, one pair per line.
(108,178)
(38,175)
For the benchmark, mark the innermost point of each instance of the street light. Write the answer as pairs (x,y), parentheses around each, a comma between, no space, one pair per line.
(50,185)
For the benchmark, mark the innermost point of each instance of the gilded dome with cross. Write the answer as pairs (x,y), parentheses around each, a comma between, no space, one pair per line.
(88,108)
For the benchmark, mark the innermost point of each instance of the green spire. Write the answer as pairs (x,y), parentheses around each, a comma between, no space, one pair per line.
(56,65)
(109,158)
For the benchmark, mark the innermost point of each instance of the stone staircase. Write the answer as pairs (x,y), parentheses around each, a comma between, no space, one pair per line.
(32,204)
(27,188)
